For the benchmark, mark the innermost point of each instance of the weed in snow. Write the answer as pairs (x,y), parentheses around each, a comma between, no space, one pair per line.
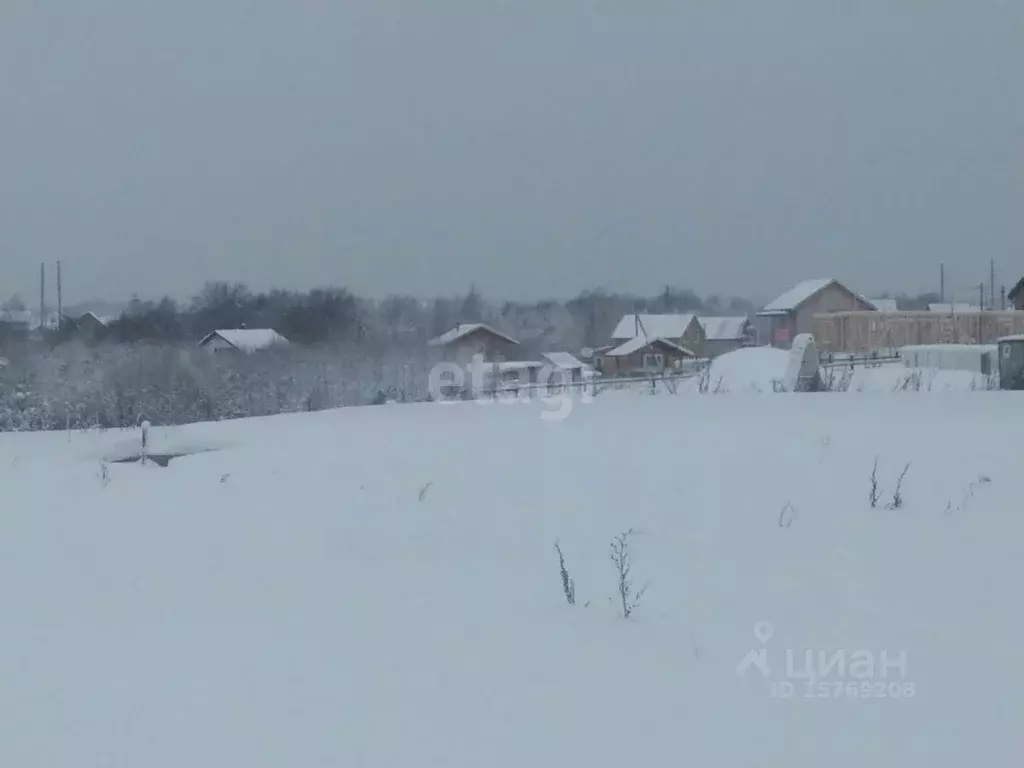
(628,598)
(897,496)
(873,495)
(787,515)
(568,585)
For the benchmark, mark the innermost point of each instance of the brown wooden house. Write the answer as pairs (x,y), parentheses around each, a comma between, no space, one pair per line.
(643,357)
(466,340)
(793,312)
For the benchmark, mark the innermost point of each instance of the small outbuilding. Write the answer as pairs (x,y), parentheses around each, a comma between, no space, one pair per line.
(1011,362)
(246,340)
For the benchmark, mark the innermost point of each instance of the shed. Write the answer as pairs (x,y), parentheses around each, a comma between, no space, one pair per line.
(247,340)
(1011,362)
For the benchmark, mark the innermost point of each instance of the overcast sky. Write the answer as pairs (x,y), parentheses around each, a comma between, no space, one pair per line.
(534,147)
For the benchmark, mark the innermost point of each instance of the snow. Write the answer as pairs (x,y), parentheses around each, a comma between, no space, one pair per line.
(654,326)
(723,328)
(639,342)
(749,369)
(797,295)
(378,586)
(883,305)
(565,361)
(250,339)
(954,307)
(464,329)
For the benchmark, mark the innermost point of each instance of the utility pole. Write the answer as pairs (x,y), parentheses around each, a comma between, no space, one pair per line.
(992,284)
(60,300)
(981,295)
(942,283)
(1002,298)
(42,295)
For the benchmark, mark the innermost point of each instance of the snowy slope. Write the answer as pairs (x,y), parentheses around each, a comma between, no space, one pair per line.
(378,587)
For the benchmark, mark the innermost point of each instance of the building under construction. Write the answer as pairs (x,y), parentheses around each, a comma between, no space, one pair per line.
(865,332)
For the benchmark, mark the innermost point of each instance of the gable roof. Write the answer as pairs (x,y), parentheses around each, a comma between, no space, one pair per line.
(796,296)
(564,360)
(639,342)
(653,326)
(101,320)
(464,329)
(246,339)
(724,328)
(1017,288)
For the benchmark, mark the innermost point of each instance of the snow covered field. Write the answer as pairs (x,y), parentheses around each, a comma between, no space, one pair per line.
(379,587)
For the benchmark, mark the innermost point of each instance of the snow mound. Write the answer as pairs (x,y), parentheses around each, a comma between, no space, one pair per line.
(753,369)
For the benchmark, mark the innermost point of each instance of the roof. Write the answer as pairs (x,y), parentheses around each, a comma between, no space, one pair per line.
(1014,338)
(97,318)
(464,329)
(504,366)
(797,295)
(1017,288)
(639,342)
(16,316)
(884,305)
(247,339)
(653,326)
(959,306)
(723,328)
(564,360)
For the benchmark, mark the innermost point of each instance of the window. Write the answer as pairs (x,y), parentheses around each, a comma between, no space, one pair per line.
(654,360)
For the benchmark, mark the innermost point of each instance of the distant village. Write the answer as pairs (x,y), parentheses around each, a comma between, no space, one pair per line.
(641,343)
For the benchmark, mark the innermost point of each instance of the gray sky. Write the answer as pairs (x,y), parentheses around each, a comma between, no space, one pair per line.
(532,146)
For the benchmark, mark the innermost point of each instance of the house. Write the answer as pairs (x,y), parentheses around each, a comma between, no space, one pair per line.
(466,340)
(246,340)
(641,356)
(793,312)
(1016,295)
(15,324)
(682,330)
(569,367)
(724,334)
(91,326)
(484,376)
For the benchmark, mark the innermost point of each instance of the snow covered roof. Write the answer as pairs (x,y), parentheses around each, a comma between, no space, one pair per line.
(959,306)
(723,328)
(247,339)
(504,366)
(564,360)
(883,305)
(97,318)
(796,296)
(639,342)
(654,326)
(464,329)
(16,316)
